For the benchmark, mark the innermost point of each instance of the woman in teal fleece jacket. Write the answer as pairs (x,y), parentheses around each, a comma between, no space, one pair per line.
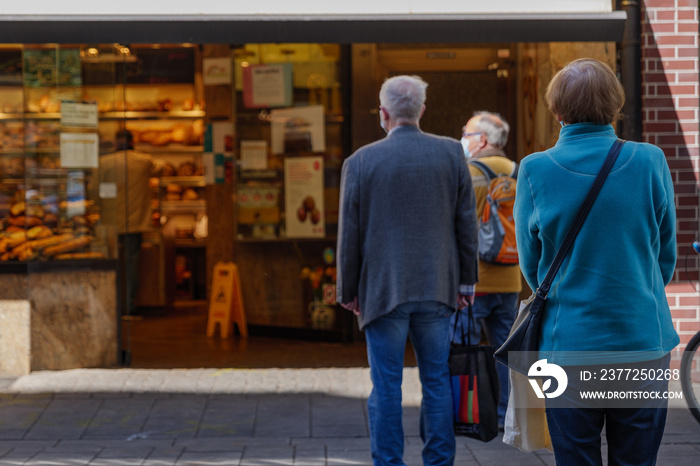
(607,306)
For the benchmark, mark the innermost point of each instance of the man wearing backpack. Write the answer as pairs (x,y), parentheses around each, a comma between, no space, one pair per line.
(493,178)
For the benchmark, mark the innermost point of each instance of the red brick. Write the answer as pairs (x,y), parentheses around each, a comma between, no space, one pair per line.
(652,52)
(686,313)
(688,102)
(683,287)
(658,27)
(688,301)
(650,4)
(689,77)
(678,164)
(685,15)
(656,78)
(689,127)
(682,176)
(686,238)
(685,188)
(687,326)
(689,225)
(660,52)
(687,27)
(661,127)
(665,103)
(676,89)
(664,15)
(686,207)
(685,338)
(686,152)
(663,115)
(687,52)
(688,203)
(680,65)
(685,4)
(674,40)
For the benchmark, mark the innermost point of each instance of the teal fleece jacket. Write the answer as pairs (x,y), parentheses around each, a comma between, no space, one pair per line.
(608,299)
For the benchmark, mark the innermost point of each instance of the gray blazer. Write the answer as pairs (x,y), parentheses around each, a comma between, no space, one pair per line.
(407,230)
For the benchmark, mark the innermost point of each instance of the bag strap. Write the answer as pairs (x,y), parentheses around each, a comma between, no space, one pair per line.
(466,339)
(490,174)
(576,225)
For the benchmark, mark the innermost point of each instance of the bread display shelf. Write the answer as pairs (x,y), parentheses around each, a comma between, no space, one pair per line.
(169,207)
(31,151)
(195,181)
(168,149)
(128,115)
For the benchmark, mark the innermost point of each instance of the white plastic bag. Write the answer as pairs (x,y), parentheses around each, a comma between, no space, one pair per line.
(525,425)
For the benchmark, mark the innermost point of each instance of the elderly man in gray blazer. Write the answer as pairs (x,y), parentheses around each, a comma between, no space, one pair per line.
(407,256)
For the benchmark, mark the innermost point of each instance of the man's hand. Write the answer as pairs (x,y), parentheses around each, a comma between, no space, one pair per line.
(464,300)
(352,306)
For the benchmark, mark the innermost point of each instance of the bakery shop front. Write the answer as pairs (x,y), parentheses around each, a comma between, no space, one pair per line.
(240,118)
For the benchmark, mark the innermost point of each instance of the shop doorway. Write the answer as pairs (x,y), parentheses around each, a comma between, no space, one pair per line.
(461,81)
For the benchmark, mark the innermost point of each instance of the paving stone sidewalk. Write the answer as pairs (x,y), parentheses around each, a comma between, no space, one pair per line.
(238,417)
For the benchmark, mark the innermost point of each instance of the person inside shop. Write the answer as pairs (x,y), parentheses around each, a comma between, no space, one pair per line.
(406,258)
(496,299)
(607,308)
(130,210)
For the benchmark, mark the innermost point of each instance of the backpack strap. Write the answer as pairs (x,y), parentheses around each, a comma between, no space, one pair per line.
(514,172)
(488,173)
(486,170)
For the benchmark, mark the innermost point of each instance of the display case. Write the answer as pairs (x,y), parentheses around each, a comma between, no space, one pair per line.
(291,140)
(47,211)
(52,205)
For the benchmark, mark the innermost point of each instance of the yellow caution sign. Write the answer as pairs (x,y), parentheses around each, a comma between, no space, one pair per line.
(226,302)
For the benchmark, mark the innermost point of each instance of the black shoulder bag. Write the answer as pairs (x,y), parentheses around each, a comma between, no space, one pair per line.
(519,351)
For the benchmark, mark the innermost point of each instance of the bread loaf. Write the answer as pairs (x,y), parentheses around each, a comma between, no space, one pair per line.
(66,246)
(80,255)
(39,232)
(50,241)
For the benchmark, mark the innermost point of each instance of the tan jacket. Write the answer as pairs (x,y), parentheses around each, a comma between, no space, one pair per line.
(493,278)
(130,170)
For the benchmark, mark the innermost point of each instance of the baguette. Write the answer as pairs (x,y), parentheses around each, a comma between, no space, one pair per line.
(22,252)
(80,255)
(67,246)
(50,241)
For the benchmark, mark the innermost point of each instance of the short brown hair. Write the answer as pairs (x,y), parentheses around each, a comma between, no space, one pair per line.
(585,91)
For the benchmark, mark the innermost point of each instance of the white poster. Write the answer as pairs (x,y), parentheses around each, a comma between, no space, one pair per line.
(216,71)
(296,121)
(254,155)
(79,150)
(79,114)
(267,85)
(303,197)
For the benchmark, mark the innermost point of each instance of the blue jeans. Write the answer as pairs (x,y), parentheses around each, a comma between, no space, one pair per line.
(497,310)
(633,434)
(427,323)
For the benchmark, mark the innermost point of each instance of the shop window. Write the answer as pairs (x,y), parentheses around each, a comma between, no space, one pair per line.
(290,129)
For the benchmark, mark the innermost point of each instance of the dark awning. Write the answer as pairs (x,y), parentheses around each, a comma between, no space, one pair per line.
(408,28)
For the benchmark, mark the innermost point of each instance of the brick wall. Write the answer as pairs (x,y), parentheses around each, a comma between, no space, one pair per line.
(670,120)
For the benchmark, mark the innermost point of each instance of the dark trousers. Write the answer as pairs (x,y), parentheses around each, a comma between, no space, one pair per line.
(130,248)
(633,434)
